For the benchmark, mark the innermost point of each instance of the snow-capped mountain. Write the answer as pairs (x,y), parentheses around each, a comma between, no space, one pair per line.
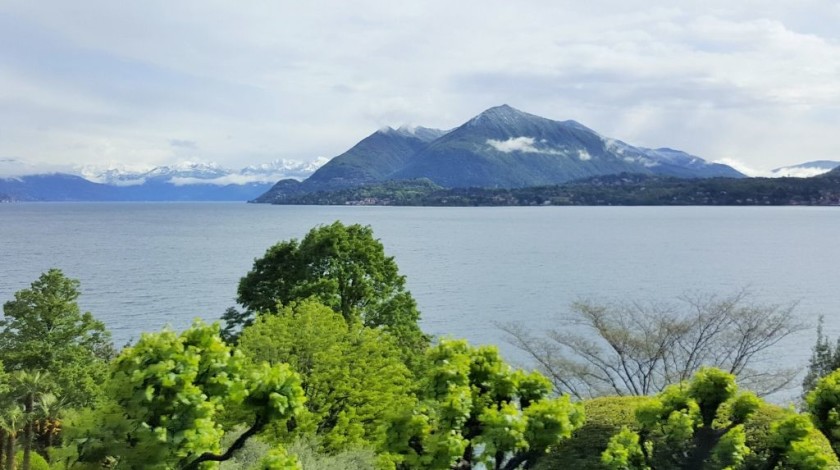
(500,148)
(191,172)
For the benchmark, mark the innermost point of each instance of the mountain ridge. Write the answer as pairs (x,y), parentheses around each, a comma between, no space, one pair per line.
(501,147)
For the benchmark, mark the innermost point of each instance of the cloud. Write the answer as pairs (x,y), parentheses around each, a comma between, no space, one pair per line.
(744,168)
(524,145)
(801,172)
(514,144)
(82,82)
(237,179)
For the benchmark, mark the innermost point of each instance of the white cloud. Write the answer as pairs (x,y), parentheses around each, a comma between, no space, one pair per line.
(525,145)
(744,168)
(89,81)
(238,179)
(803,172)
(514,144)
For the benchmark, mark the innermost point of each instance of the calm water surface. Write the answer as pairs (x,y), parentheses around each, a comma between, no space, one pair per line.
(146,265)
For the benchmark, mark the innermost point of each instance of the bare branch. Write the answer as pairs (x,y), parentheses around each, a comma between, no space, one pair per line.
(639,348)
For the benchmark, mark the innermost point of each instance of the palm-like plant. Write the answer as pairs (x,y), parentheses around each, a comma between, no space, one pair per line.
(30,387)
(47,411)
(12,419)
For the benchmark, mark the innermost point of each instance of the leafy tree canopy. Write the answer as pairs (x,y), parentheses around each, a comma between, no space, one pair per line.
(44,330)
(475,409)
(343,267)
(353,376)
(700,424)
(168,394)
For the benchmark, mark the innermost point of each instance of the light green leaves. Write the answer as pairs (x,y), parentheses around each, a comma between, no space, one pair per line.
(171,389)
(475,408)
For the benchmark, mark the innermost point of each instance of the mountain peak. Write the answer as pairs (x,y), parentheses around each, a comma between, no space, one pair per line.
(423,133)
(503,113)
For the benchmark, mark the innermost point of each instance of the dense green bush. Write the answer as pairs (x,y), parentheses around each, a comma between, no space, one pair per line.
(36,462)
(606,415)
(758,435)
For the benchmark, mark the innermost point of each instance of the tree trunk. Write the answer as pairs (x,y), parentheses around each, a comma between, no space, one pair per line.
(10,451)
(28,431)
(2,448)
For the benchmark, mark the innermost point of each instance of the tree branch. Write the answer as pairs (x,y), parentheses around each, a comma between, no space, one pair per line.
(259,423)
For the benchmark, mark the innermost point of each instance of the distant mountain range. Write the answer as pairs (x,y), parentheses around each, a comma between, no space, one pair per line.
(500,148)
(186,181)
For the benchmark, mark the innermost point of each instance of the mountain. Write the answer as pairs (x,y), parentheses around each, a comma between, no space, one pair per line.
(52,187)
(186,173)
(500,148)
(185,181)
(374,159)
(507,148)
(804,170)
(65,187)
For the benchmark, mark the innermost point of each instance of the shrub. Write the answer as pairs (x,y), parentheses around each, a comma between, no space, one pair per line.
(605,417)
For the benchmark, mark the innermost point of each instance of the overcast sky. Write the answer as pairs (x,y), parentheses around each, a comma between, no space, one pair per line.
(145,83)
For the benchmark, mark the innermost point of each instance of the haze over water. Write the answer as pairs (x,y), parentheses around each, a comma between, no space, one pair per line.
(143,266)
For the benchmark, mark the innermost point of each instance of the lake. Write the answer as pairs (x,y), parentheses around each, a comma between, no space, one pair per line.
(146,265)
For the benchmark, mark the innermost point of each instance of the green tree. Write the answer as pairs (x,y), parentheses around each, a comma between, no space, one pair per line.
(345,268)
(43,330)
(700,424)
(823,403)
(474,409)
(353,376)
(825,358)
(169,392)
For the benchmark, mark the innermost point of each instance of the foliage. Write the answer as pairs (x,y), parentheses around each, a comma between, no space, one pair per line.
(43,330)
(352,376)
(37,461)
(703,424)
(343,267)
(308,453)
(639,349)
(605,416)
(825,359)
(475,409)
(823,403)
(625,189)
(168,393)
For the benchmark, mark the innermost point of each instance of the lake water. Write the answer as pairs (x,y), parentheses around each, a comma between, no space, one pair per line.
(146,265)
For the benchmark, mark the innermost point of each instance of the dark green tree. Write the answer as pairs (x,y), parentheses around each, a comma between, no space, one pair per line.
(43,330)
(825,359)
(343,267)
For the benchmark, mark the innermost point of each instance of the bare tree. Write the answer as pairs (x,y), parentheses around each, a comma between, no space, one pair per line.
(638,349)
